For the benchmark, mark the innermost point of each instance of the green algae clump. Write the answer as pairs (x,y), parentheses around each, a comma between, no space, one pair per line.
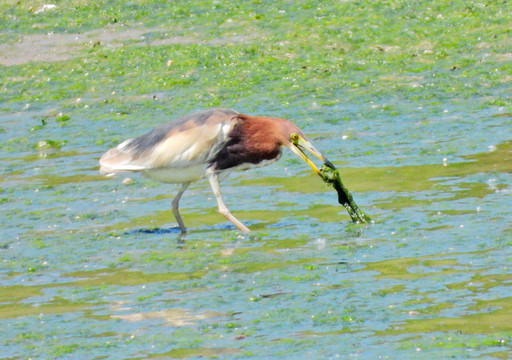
(332,177)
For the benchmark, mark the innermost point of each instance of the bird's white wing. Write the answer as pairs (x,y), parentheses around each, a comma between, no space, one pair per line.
(181,144)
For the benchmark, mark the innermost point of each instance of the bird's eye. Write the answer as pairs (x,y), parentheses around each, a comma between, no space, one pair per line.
(294,138)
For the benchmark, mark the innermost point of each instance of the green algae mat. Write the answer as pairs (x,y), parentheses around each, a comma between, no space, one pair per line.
(411,98)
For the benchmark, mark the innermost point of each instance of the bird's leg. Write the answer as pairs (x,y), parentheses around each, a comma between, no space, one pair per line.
(176,205)
(214,183)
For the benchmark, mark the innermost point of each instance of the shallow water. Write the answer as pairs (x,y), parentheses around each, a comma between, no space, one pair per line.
(95,269)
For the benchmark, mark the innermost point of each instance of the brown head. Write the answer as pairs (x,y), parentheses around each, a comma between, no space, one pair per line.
(257,138)
(296,141)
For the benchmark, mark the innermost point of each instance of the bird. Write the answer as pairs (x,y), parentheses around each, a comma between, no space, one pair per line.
(209,143)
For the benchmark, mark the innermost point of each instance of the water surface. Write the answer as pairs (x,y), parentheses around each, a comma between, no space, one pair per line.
(413,105)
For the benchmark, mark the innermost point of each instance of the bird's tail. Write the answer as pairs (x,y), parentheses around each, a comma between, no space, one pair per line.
(116,160)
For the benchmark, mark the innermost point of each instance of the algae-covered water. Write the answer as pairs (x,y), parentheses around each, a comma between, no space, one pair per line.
(411,101)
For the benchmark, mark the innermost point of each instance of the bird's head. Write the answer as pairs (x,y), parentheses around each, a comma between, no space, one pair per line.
(298,143)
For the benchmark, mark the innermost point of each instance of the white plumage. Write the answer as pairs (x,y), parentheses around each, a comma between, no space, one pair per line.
(206,143)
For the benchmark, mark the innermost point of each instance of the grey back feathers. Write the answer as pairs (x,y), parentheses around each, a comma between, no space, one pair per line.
(189,140)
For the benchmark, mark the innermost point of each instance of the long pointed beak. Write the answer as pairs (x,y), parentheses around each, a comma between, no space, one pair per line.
(298,148)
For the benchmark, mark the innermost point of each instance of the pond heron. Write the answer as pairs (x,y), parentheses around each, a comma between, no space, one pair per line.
(209,144)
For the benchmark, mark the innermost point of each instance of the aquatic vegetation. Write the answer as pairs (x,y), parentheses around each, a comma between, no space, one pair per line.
(412,98)
(332,177)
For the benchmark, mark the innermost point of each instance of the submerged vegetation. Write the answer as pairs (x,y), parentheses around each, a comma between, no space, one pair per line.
(412,98)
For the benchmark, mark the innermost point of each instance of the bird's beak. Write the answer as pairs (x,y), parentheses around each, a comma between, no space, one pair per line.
(300,144)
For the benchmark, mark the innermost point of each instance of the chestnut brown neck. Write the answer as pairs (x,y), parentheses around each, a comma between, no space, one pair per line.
(253,140)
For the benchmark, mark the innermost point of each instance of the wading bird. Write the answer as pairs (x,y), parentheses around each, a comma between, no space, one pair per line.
(208,143)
